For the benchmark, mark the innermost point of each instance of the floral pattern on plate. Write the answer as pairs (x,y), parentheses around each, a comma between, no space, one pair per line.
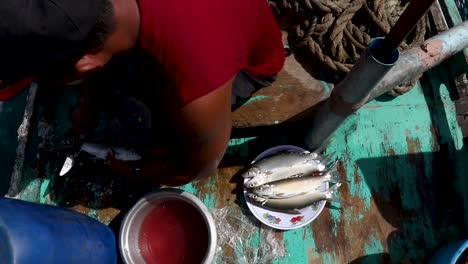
(297,219)
(271,218)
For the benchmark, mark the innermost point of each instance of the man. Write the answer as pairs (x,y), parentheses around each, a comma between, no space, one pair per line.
(210,52)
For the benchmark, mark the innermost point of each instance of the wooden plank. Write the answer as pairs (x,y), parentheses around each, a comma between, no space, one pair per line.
(462,115)
(294,92)
(438,17)
(455,18)
(461,82)
(23,138)
(11,116)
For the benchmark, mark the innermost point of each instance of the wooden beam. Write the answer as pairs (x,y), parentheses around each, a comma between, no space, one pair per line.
(294,92)
(23,136)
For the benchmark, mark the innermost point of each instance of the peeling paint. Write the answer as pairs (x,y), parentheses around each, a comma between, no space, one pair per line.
(373,246)
(329,258)
(297,247)
(257,98)
(43,188)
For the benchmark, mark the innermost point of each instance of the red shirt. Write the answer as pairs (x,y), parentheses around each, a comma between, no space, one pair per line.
(201,44)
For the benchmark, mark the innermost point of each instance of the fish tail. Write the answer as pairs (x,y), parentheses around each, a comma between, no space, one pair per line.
(330,162)
(337,200)
(330,155)
(330,190)
(333,175)
(336,180)
(332,167)
(331,198)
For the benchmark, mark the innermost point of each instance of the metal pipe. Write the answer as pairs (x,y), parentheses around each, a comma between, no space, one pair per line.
(413,62)
(350,94)
(416,61)
(406,22)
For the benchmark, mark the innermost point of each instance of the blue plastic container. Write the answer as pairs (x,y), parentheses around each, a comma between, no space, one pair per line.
(37,233)
(450,254)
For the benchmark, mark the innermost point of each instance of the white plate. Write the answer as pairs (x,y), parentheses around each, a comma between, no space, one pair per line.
(285,221)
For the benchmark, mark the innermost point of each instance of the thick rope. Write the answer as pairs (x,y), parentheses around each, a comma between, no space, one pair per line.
(336,32)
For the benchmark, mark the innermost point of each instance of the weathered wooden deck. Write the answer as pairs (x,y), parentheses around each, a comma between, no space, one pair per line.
(405,159)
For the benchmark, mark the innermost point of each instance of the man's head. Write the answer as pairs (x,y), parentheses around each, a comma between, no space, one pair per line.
(56,37)
(116,30)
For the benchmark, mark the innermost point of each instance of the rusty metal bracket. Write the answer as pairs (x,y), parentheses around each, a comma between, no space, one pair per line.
(461,81)
(461,105)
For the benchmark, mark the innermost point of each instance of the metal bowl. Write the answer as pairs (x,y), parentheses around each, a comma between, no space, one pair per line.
(130,228)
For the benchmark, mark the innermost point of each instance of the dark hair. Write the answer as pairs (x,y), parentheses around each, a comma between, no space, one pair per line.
(104,27)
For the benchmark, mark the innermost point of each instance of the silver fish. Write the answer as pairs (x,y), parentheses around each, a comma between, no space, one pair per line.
(102,151)
(294,204)
(314,167)
(283,158)
(296,186)
(282,166)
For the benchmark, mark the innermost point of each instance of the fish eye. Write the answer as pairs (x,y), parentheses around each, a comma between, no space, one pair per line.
(251,183)
(251,173)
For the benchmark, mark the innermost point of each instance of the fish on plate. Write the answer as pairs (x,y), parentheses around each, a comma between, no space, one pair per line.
(294,204)
(284,165)
(290,187)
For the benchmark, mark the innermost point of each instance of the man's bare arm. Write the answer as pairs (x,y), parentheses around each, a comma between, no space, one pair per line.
(204,128)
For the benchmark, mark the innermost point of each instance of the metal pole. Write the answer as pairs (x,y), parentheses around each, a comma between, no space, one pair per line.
(350,94)
(412,63)
(416,61)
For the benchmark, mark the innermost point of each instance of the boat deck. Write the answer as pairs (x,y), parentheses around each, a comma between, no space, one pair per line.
(405,159)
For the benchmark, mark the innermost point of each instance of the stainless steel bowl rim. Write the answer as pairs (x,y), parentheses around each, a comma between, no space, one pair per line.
(168,193)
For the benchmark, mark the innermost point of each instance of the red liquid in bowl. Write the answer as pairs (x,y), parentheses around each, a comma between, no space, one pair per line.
(174,232)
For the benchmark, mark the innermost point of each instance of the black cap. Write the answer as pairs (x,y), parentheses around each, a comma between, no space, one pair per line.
(35,34)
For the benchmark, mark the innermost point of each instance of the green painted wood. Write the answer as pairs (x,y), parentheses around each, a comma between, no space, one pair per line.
(454,17)
(394,154)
